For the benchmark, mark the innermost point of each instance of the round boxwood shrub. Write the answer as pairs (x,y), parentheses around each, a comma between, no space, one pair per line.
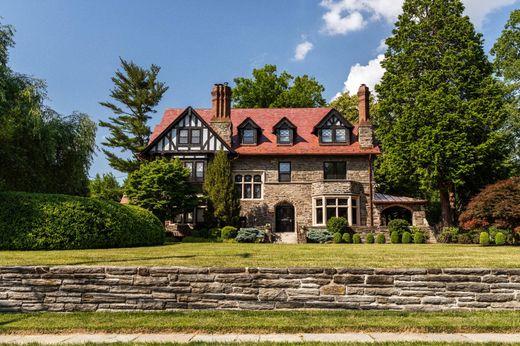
(418,237)
(500,238)
(380,238)
(407,237)
(337,224)
(369,238)
(336,238)
(30,221)
(228,232)
(356,239)
(347,238)
(394,237)
(398,225)
(484,238)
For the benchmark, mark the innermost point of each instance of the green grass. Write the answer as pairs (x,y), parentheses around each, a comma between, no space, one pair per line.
(261,322)
(279,255)
(287,344)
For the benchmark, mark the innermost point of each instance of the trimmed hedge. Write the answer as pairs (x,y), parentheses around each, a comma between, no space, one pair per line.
(356,239)
(228,232)
(57,222)
(380,238)
(369,238)
(347,238)
(336,238)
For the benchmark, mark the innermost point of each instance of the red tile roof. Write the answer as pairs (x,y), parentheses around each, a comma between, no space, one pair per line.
(303,118)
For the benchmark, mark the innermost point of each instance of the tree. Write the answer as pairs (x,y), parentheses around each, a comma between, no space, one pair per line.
(440,108)
(41,150)
(106,187)
(162,186)
(347,105)
(267,89)
(507,65)
(223,202)
(496,205)
(136,92)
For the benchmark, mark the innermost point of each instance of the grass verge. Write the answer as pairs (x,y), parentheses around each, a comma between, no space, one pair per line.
(261,322)
(279,255)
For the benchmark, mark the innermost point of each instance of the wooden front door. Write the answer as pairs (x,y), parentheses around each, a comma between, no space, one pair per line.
(285,218)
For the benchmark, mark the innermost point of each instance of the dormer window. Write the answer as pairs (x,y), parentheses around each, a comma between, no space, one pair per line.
(285,132)
(333,129)
(248,132)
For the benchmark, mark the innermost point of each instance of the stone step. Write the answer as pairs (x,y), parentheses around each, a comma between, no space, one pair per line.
(286,238)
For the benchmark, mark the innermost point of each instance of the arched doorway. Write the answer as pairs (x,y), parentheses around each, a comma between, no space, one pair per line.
(284,218)
(397,212)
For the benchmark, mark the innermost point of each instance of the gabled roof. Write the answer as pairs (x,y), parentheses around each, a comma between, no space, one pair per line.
(305,119)
(250,122)
(282,122)
(329,115)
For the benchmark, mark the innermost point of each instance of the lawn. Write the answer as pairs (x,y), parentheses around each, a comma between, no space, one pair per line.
(263,322)
(279,255)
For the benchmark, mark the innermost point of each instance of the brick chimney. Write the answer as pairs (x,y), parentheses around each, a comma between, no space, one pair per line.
(221,111)
(365,130)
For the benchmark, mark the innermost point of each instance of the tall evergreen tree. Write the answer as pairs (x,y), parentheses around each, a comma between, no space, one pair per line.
(136,92)
(439,106)
(223,202)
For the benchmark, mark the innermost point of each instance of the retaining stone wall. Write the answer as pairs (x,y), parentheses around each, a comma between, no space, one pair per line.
(132,288)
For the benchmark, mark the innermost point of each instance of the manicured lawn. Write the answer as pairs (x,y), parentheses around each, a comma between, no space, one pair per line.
(288,344)
(278,255)
(261,322)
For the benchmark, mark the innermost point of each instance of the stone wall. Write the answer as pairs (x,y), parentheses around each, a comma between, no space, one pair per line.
(132,288)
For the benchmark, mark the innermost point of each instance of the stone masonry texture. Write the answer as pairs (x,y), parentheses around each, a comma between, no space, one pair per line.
(171,288)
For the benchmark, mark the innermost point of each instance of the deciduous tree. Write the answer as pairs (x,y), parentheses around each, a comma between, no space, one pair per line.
(136,92)
(106,187)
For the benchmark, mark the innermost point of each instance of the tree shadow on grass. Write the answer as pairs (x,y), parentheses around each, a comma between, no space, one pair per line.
(244,255)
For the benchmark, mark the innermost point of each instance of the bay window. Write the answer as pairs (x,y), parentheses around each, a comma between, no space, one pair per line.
(326,207)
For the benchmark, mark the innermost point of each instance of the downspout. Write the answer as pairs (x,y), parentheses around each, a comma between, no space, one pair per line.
(371,193)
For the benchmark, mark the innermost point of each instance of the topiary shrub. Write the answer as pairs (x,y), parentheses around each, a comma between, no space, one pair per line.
(337,224)
(418,238)
(336,238)
(30,221)
(318,235)
(394,237)
(500,238)
(356,239)
(406,238)
(347,238)
(484,238)
(250,235)
(398,225)
(380,238)
(369,238)
(228,232)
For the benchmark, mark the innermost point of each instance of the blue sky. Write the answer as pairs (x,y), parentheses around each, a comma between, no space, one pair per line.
(75,45)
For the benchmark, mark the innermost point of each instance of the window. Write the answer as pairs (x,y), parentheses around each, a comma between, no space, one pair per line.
(248,136)
(326,136)
(184,136)
(284,171)
(328,207)
(333,170)
(195,136)
(249,186)
(284,136)
(333,135)
(341,135)
(197,170)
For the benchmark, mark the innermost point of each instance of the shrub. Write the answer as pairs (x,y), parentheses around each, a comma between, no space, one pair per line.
(449,235)
(418,237)
(500,238)
(394,237)
(347,238)
(317,235)
(57,222)
(398,225)
(407,238)
(356,239)
(369,238)
(228,232)
(337,224)
(497,204)
(201,232)
(380,238)
(215,232)
(484,238)
(336,238)
(250,235)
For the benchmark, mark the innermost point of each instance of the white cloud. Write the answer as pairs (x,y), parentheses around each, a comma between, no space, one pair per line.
(344,16)
(302,50)
(369,74)
(382,46)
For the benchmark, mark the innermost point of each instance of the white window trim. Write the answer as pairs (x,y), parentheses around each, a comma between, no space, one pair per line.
(252,173)
(323,206)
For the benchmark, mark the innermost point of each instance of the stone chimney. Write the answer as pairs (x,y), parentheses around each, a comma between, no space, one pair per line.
(221,111)
(365,130)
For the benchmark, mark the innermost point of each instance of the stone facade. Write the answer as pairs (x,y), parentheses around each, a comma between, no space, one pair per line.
(307,181)
(140,288)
